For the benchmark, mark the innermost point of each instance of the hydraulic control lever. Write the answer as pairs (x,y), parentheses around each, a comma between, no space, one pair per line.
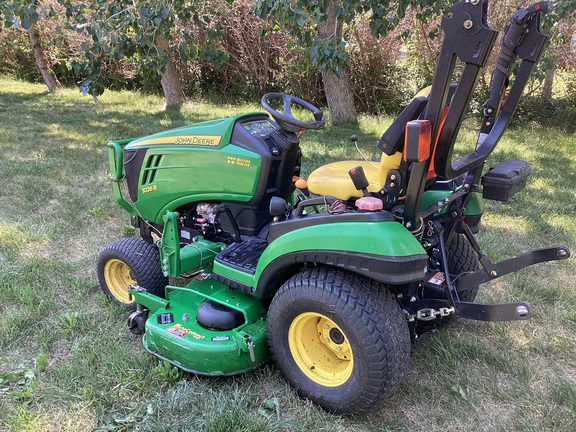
(223,208)
(359,179)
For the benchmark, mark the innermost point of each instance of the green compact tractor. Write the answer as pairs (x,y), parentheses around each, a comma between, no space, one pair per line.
(334,277)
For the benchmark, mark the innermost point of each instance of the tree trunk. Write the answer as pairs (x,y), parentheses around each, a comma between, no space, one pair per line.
(42,60)
(337,88)
(548,84)
(170,79)
(340,98)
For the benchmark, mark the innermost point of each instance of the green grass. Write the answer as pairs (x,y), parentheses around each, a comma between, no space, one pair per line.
(67,362)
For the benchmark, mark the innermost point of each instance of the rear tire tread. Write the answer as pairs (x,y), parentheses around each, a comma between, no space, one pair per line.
(373,310)
(462,259)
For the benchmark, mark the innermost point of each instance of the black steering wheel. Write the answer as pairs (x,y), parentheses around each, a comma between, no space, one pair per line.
(286,119)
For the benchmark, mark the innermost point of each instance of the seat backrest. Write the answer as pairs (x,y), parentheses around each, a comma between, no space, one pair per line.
(388,163)
(392,140)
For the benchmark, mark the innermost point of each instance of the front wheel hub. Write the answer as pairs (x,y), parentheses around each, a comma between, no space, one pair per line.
(118,277)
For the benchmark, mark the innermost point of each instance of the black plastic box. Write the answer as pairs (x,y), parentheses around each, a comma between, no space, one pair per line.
(505,179)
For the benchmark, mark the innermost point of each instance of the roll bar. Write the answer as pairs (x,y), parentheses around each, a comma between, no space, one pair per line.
(468,38)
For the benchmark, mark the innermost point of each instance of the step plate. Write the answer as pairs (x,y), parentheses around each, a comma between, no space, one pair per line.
(242,256)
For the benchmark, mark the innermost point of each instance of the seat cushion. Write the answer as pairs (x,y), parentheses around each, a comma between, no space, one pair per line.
(333,179)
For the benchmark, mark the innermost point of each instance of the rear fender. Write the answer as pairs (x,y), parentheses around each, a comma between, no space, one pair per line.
(381,250)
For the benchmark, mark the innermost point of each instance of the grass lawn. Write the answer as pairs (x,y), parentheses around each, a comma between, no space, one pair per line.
(68,363)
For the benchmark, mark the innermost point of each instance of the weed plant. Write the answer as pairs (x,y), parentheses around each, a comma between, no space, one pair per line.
(68,363)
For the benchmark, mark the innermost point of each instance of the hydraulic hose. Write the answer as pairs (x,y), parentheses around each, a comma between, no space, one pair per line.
(511,40)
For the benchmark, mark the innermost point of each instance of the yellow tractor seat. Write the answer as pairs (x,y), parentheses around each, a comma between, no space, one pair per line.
(333,179)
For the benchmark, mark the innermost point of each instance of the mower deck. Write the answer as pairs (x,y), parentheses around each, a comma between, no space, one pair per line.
(230,340)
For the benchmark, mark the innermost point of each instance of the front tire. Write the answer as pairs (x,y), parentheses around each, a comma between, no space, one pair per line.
(339,338)
(130,261)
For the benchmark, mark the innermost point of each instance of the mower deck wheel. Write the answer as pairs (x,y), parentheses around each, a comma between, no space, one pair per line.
(137,322)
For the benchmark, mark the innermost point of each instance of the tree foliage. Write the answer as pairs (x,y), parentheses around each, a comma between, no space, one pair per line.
(301,17)
(119,29)
(256,55)
(26,15)
(318,26)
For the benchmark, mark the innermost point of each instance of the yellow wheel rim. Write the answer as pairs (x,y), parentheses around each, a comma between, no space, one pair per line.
(117,276)
(320,349)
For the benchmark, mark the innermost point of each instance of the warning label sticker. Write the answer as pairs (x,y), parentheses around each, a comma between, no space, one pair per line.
(437,279)
(203,276)
(178,330)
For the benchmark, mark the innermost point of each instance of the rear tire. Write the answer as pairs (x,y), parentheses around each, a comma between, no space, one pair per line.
(339,338)
(462,259)
(130,261)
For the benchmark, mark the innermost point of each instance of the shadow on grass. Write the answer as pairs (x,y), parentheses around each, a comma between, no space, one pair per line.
(40,111)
